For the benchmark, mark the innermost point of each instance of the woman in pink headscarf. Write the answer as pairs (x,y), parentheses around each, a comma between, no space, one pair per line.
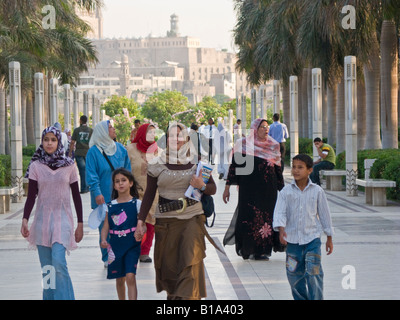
(256,169)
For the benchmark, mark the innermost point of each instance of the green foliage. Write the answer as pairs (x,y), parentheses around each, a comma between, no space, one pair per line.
(305,146)
(211,109)
(63,50)
(387,166)
(123,126)
(5,168)
(29,150)
(221,99)
(116,105)
(162,106)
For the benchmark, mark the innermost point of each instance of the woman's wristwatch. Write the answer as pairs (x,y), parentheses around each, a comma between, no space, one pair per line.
(203,188)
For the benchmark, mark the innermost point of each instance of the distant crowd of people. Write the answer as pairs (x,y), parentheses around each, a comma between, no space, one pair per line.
(138,194)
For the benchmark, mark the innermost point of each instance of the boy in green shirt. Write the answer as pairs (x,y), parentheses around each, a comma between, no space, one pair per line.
(327,160)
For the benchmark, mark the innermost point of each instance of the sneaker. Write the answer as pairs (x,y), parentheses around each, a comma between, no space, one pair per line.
(145,258)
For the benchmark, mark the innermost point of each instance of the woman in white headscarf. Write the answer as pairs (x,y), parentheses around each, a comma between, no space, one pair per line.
(99,170)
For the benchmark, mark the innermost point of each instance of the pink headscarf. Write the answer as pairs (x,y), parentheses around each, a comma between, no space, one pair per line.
(251,145)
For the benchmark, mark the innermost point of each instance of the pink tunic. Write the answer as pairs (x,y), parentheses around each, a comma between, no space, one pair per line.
(53,220)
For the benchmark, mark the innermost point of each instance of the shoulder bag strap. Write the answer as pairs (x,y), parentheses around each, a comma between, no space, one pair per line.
(108,160)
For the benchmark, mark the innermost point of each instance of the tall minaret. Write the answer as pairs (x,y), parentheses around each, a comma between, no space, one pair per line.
(124,77)
(174,32)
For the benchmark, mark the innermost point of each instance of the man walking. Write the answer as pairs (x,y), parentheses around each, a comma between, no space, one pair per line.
(81,137)
(280,133)
(210,132)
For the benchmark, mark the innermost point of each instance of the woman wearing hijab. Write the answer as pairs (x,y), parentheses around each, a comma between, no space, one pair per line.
(256,169)
(51,177)
(142,150)
(179,247)
(104,156)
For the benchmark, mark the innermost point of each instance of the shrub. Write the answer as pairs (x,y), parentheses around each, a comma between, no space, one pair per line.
(305,146)
(29,150)
(5,168)
(387,166)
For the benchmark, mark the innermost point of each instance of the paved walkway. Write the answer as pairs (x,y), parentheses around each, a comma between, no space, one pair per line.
(363,265)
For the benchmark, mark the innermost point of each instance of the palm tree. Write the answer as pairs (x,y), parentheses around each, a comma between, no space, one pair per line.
(63,52)
(265,34)
(371,70)
(251,16)
(389,85)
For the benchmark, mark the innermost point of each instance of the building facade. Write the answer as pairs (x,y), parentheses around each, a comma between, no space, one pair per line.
(138,67)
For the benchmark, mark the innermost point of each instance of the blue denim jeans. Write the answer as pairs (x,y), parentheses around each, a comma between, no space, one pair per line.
(304,270)
(323,165)
(81,163)
(57,283)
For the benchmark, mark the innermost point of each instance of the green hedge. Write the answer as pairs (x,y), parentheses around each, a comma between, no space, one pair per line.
(387,166)
(305,146)
(5,164)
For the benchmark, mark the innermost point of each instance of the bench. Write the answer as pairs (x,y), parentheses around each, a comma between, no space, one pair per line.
(333,179)
(5,200)
(375,190)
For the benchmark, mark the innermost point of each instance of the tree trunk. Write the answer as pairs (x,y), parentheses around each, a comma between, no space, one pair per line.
(309,103)
(300,104)
(30,131)
(372,81)
(3,132)
(361,115)
(331,93)
(340,119)
(389,85)
(23,118)
(7,130)
(325,123)
(304,104)
(286,105)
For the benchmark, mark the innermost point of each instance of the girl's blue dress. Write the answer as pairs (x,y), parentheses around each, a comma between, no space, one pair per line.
(123,249)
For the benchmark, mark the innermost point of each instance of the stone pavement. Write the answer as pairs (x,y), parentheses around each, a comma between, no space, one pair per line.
(364,263)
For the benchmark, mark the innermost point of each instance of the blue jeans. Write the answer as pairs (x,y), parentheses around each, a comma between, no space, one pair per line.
(57,284)
(304,270)
(81,163)
(323,165)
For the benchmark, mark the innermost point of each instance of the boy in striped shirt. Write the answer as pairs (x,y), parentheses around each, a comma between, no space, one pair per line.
(301,215)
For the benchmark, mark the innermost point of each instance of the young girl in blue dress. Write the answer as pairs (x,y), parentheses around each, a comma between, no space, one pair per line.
(120,223)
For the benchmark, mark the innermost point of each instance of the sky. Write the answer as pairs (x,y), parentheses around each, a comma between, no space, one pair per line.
(211,21)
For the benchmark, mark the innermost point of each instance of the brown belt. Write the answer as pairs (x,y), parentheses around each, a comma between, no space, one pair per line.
(165,205)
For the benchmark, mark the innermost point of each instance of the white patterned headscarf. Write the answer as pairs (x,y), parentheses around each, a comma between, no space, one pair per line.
(54,160)
(102,140)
